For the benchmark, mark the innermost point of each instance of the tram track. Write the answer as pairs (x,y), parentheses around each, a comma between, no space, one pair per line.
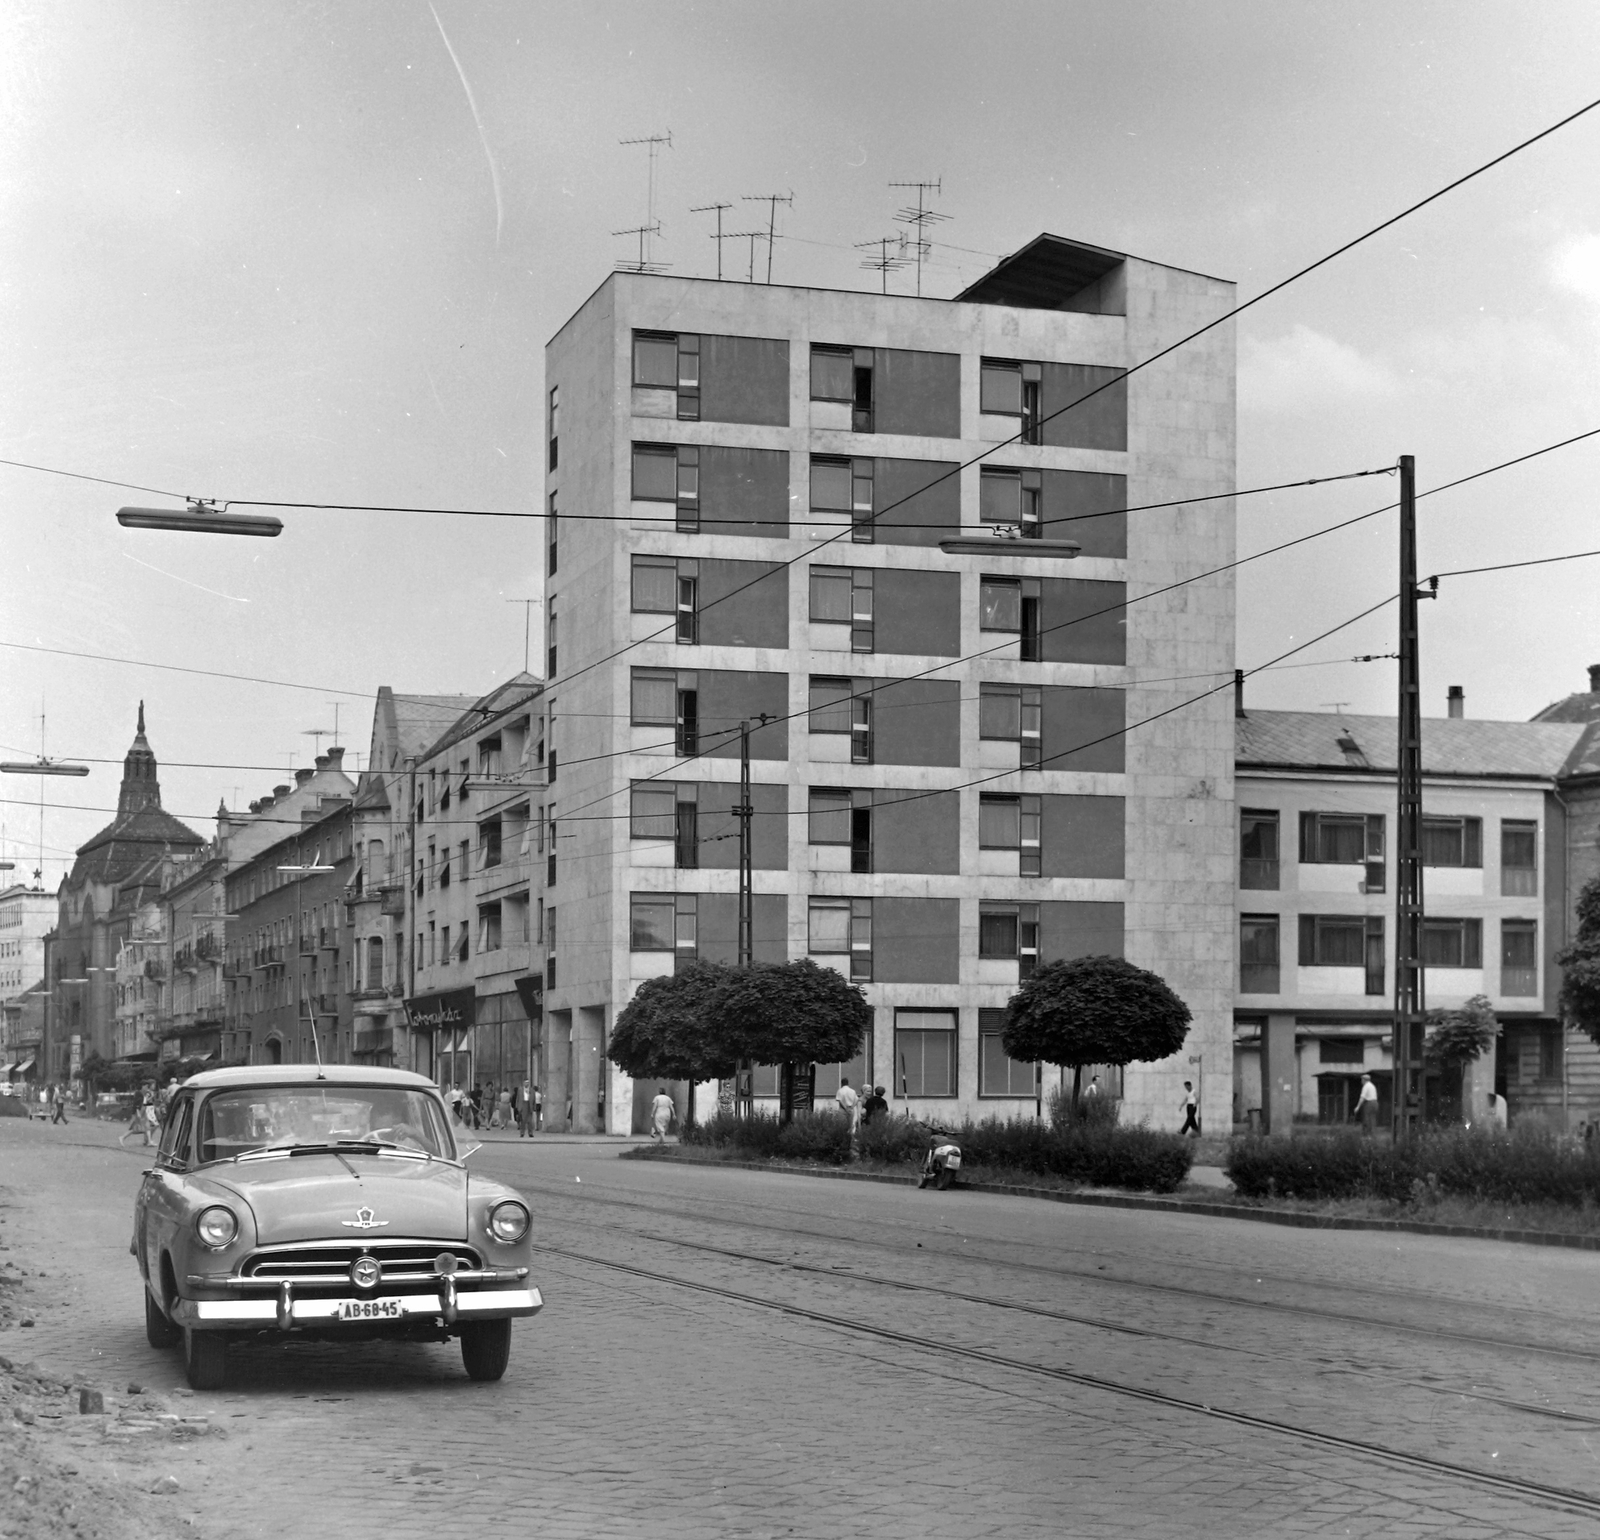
(1534,1491)
(1364,1322)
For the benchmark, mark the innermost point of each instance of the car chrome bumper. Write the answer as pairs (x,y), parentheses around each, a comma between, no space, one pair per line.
(286,1313)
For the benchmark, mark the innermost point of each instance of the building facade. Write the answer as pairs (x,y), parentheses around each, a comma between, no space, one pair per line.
(960,758)
(26,915)
(1509,824)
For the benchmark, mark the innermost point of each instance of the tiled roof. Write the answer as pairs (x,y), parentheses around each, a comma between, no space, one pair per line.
(1321,740)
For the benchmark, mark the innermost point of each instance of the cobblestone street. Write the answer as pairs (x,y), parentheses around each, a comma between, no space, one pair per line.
(730,1353)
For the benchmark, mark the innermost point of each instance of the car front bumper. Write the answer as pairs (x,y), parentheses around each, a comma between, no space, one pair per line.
(285,1312)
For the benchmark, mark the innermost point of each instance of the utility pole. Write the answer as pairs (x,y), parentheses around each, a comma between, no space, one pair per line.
(745,1099)
(1409,1002)
(527,626)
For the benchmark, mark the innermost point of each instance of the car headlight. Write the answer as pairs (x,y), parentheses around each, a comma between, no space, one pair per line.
(216,1227)
(508,1222)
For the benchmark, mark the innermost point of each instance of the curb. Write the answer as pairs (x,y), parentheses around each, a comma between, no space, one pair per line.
(1091,1199)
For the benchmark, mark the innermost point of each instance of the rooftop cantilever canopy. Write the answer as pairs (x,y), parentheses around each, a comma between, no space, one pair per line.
(1044,275)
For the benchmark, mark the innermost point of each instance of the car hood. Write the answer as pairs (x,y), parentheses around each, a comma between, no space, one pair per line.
(350,1197)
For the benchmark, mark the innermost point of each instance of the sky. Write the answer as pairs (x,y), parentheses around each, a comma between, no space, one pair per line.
(312,252)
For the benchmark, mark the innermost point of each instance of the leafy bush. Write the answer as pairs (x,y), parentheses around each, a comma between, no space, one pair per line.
(1530,1164)
(1096,1153)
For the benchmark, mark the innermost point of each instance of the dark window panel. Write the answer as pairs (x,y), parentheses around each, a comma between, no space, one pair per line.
(1069,929)
(1083,621)
(917,722)
(917,502)
(729,696)
(1084,728)
(719,927)
(743,603)
(916,940)
(1068,494)
(917,613)
(917,833)
(1100,422)
(718,826)
(744,379)
(917,393)
(1082,836)
(744,492)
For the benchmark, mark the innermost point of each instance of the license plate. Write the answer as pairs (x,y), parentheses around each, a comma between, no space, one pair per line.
(952,1162)
(370,1309)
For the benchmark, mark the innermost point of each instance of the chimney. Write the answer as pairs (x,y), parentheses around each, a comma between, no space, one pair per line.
(1456,701)
(302,776)
(1238,692)
(278,791)
(322,762)
(1594,678)
(336,758)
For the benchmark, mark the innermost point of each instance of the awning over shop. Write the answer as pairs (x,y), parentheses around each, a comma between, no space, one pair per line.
(449,1008)
(23,1067)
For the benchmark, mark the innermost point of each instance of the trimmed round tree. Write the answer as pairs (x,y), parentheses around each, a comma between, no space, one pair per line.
(1094,1010)
(662,1033)
(1580,964)
(789,1013)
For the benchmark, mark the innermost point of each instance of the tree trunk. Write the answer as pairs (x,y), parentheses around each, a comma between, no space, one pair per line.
(1077,1083)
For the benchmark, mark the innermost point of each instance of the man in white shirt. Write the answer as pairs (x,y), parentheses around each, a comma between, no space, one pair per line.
(1367,1105)
(849,1103)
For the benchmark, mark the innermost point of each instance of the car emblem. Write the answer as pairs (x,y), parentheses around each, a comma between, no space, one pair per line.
(364,1221)
(366,1272)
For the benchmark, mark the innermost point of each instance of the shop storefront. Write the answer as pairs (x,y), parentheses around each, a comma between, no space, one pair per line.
(447,1019)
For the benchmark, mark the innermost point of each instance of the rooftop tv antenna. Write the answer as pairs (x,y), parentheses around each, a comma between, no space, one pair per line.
(884,263)
(651,226)
(719,237)
(317,733)
(772,200)
(752,236)
(921,219)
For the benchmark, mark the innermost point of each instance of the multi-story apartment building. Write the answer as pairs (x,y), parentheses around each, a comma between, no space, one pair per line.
(290,957)
(26,915)
(477,837)
(789,507)
(1506,807)
(141,983)
(193,898)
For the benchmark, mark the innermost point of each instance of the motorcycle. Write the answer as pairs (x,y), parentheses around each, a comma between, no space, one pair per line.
(942,1161)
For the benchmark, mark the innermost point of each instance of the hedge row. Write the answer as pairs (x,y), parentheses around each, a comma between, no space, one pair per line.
(1529,1164)
(1096,1154)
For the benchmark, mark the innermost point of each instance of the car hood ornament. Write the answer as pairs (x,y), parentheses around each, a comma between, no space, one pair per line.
(364,1221)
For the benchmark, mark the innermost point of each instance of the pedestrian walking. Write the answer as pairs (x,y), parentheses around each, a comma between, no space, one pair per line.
(538,1107)
(453,1096)
(58,1103)
(1191,1110)
(1367,1105)
(503,1110)
(491,1105)
(143,1116)
(475,1106)
(661,1110)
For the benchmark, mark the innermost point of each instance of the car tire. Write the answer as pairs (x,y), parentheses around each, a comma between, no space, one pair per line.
(159,1332)
(205,1359)
(944,1178)
(486,1348)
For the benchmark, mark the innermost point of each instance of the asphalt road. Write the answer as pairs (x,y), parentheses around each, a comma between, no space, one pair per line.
(729,1353)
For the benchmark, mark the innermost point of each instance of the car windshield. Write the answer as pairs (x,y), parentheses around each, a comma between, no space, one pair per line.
(235,1122)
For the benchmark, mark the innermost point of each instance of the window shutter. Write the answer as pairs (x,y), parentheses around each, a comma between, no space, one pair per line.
(1308,925)
(1472,844)
(1374,836)
(1308,836)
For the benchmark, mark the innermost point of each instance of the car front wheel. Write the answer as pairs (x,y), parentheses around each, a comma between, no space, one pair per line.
(205,1358)
(486,1348)
(159,1332)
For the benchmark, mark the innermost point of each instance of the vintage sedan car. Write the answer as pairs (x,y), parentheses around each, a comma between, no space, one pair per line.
(331,1203)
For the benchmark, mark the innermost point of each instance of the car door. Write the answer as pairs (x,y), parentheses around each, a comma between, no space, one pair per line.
(163,1202)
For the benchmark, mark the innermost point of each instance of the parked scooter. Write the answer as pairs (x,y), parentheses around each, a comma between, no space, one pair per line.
(942,1161)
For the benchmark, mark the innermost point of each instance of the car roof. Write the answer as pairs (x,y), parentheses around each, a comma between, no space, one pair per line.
(307,1074)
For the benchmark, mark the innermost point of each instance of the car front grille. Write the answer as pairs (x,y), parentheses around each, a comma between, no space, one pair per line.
(401,1260)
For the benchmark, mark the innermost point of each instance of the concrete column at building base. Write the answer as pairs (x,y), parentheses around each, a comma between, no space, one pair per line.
(557,1070)
(1477,1081)
(588,1049)
(1278,1072)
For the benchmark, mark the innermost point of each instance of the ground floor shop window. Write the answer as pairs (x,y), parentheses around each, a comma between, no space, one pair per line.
(925,1053)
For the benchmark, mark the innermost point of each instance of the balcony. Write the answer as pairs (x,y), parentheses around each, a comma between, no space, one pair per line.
(394,902)
(328,939)
(155,969)
(308,946)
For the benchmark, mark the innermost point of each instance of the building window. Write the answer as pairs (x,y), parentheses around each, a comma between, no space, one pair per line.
(828,926)
(1550,1053)
(843,596)
(555,425)
(550,650)
(832,377)
(670,361)
(1258,954)
(1339,839)
(655,585)
(688,601)
(1342,1050)
(1519,858)
(1015,713)
(488,844)
(1519,957)
(1011,823)
(1452,841)
(653,813)
(1007,931)
(842,485)
(1332,941)
(1008,389)
(925,1053)
(655,697)
(1011,499)
(653,923)
(1011,605)
(553,532)
(1452,943)
(828,816)
(1258,849)
(488,928)
(666,473)
(998,1074)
